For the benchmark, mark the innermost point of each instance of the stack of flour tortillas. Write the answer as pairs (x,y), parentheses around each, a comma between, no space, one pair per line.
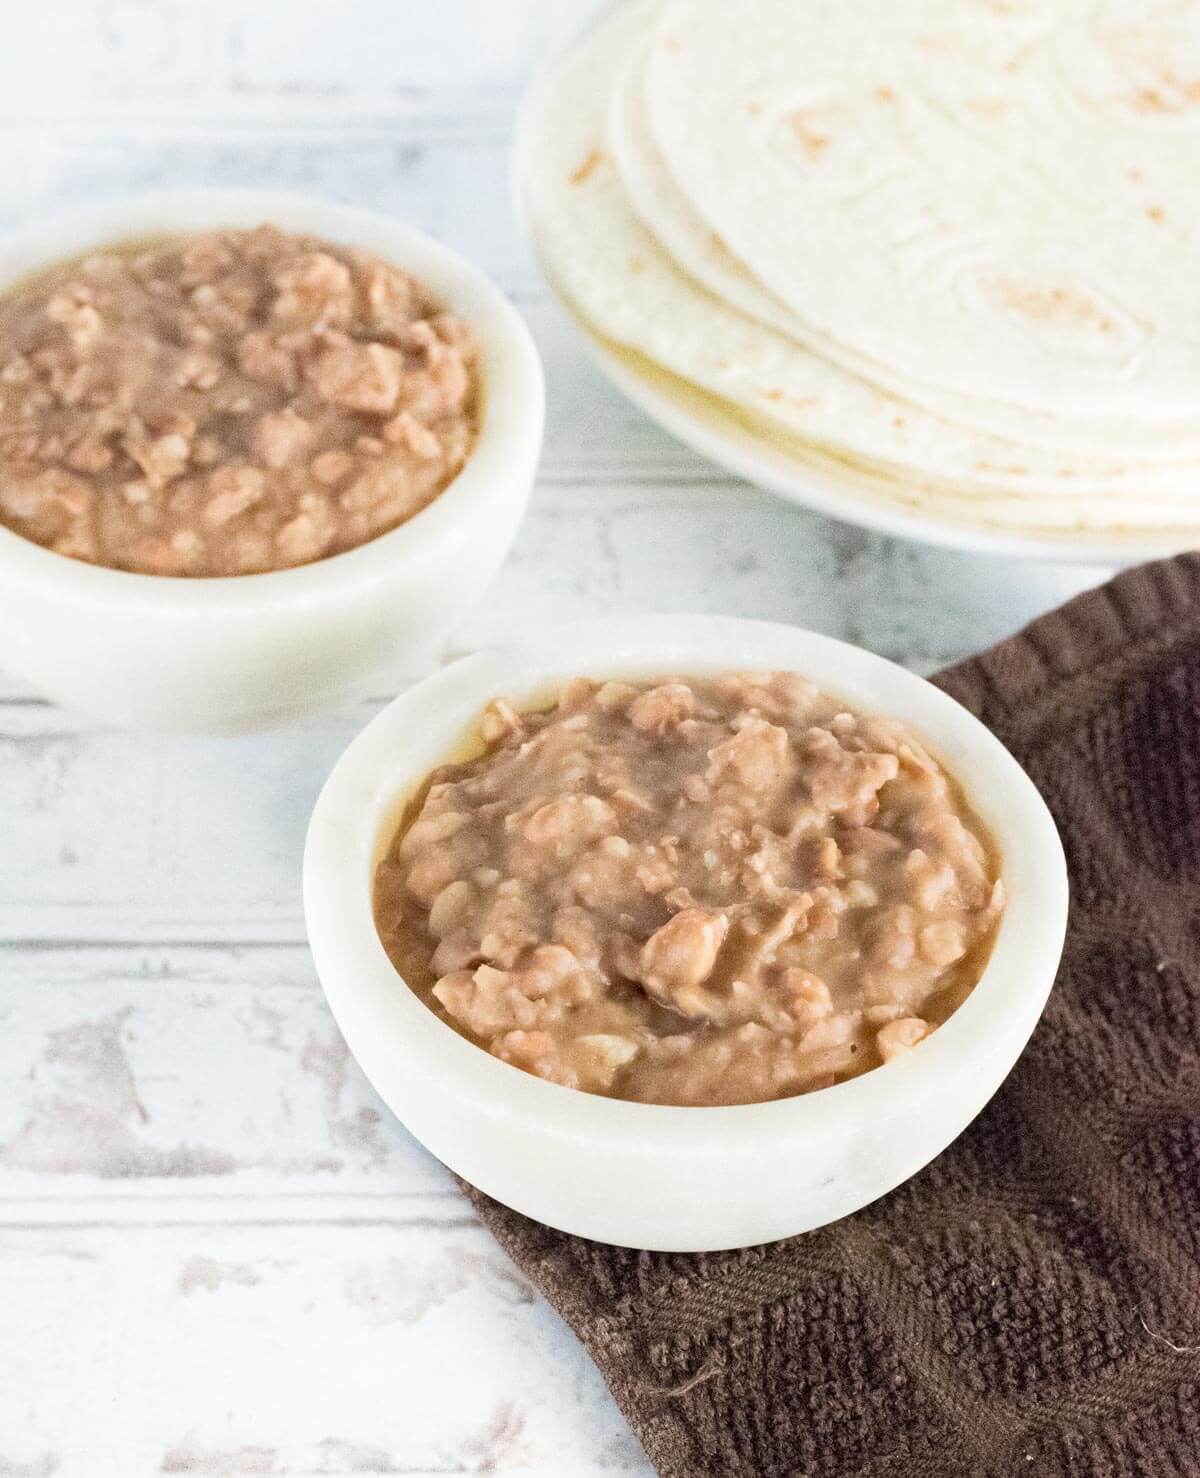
(951,247)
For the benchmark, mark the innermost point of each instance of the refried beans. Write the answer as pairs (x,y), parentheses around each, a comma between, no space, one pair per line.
(691,892)
(227,403)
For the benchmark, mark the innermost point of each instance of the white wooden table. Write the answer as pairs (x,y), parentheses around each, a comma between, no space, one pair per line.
(218,1253)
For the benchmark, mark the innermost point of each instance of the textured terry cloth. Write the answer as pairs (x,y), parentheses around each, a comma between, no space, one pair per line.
(1030,1303)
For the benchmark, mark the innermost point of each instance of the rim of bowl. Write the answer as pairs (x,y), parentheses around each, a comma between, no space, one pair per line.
(390,1029)
(512,383)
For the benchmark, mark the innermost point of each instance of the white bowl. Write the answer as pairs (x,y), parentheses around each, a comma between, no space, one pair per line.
(672,1179)
(228,654)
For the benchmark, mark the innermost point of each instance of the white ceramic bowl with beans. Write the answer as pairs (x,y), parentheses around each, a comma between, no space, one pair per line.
(673,1179)
(232,654)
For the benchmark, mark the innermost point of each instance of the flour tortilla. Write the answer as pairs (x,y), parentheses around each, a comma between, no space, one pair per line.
(623,284)
(994,198)
(668,213)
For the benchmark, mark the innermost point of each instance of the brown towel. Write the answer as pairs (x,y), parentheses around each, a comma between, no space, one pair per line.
(1030,1303)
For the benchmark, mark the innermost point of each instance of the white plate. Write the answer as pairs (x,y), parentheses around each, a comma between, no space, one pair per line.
(816,480)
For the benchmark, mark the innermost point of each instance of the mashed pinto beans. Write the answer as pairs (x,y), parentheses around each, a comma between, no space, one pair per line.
(692,892)
(226,403)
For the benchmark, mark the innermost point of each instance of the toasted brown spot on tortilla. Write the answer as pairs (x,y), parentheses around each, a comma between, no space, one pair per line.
(1173,94)
(1189,87)
(1150,100)
(814,143)
(885,94)
(988,107)
(588,168)
(1064,306)
(1156,214)
(940,43)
